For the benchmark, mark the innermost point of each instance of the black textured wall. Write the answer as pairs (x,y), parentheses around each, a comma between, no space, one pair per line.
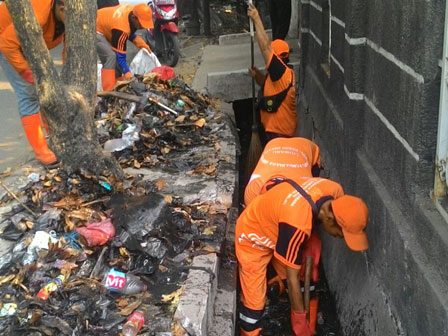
(373,110)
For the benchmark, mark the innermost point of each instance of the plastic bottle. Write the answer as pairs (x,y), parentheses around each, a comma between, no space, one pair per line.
(127,284)
(51,287)
(135,322)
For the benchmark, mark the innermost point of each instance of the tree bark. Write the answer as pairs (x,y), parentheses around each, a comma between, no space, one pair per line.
(67,100)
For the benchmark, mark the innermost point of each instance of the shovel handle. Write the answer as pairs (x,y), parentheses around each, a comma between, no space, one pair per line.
(306,296)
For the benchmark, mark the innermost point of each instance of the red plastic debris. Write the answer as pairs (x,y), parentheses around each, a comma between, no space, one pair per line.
(164,72)
(97,234)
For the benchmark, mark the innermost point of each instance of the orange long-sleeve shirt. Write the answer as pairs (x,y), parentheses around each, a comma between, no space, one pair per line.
(52,32)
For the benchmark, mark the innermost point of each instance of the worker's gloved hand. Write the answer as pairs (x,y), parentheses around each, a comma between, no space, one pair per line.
(299,324)
(27,75)
(147,48)
(128,75)
(311,248)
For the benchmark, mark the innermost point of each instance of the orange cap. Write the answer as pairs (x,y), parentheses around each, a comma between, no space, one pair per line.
(351,215)
(280,48)
(144,15)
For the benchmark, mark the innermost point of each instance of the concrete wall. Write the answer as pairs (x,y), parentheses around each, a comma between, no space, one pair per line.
(373,109)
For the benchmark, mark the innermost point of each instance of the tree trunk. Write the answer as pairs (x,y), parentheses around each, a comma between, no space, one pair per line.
(67,100)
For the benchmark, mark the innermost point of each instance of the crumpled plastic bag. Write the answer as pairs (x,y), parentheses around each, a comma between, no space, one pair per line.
(97,234)
(164,72)
(144,62)
(99,84)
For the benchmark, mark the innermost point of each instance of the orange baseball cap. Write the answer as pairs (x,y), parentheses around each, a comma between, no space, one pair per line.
(351,215)
(144,15)
(280,48)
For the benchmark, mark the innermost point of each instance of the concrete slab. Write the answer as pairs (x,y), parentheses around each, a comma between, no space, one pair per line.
(195,309)
(223,71)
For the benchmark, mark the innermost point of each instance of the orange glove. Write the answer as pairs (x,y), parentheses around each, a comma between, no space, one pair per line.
(128,75)
(299,324)
(27,75)
(311,248)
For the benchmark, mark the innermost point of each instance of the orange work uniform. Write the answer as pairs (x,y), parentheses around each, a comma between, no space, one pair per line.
(280,77)
(113,23)
(275,224)
(284,158)
(52,32)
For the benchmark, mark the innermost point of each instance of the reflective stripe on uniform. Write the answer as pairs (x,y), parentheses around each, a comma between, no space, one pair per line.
(248,319)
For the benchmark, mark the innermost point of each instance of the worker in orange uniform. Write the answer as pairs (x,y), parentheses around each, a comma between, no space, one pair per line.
(277,97)
(283,158)
(275,226)
(50,15)
(114,26)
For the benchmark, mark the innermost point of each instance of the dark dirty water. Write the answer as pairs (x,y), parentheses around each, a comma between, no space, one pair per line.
(276,320)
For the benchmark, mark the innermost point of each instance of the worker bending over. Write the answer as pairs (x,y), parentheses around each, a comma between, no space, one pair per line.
(275,226)
(50,15)
(283,158)
(277,97)
(114,26)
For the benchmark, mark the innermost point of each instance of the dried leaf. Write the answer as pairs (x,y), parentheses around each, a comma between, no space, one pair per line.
(180,118)
(124,252)
(6,278)
(29,225)
(6,172)
(137,164)
(200,122)
(163,269)
(172,296)
(160,184)
(47,184)
(165,150)
(57,178)
(129,309)
(122,302)
(69,225)
(209,249)
(168,199)
(217,147)
(177,330)
(209,230)
(217,209)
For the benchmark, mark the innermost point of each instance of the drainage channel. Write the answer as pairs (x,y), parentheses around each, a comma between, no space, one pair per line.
(276,319)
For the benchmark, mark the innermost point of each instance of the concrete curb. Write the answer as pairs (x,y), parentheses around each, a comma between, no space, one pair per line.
(241,38)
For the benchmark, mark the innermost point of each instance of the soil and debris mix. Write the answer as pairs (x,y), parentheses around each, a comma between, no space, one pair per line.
(90,251)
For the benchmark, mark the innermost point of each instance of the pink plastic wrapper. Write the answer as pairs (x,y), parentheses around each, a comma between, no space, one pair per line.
(164,72)
(97,234)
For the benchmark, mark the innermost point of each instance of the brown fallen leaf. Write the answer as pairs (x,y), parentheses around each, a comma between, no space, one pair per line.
(180,118)
(209,230)
(160,184)
(168,199)
(137,164)
(200,122)
(47,184)
(57,178)
(129,309)
(177,330)
(6,172)
(124,252)
(69,225)
(6,278)
(122,302)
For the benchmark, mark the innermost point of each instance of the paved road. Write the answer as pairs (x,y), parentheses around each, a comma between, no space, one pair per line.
(14,148)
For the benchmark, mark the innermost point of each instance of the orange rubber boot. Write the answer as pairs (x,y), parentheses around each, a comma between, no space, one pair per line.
(108,79)
(255,332)
(314,305)
(35,135)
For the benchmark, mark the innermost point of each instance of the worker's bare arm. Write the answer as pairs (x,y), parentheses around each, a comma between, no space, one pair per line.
(295,294)
(263,39)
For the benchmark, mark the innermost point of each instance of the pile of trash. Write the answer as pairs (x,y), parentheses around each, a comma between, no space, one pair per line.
(96,256)
(150,122)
